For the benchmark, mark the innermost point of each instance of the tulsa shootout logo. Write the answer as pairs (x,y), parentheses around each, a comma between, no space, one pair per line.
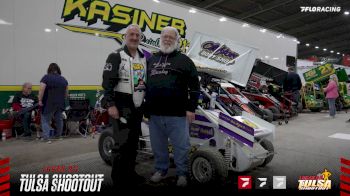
(61,182)
(319,182)
(217,52)
(61,178)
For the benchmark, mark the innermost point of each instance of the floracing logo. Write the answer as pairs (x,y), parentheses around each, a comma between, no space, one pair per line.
(319,9)
(117,18)
(217,52)
(261,183)
(279,182)
(244,182)
(319,182)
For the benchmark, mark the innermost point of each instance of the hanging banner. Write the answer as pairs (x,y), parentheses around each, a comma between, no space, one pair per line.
(223,58)
(319,72)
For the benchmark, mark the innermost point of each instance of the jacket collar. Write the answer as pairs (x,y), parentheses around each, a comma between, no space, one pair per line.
(174,53)
(126,50)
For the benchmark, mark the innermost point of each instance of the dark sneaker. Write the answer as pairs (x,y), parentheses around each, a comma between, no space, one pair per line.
(157,177)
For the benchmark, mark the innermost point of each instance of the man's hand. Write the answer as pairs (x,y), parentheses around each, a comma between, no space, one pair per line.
(41,104)
(190,116)
(113,112)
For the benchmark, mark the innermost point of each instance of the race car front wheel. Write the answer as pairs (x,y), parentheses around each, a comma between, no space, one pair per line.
(208,166)
(105,145)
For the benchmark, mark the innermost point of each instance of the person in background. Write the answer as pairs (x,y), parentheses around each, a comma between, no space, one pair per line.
(171,100)
(25,99)
(292,84)
(52,94)
(332,94)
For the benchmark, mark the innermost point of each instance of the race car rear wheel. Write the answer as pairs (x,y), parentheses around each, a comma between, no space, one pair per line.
(268,115)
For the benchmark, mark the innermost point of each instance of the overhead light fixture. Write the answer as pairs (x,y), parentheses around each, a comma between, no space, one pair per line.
(307,44)
(343,54)
(346,13)
(157,1)
(279,36)
(56,29)
(3,22)
(317,47)
(324,49)
(275,58)
(266,57)
(338,52)
(97,34)
(47,30)
(223,19)
(192,10)
(263,30)
(245,25)
(332,51)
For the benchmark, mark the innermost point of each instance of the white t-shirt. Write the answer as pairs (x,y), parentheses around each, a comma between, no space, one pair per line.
(138,71)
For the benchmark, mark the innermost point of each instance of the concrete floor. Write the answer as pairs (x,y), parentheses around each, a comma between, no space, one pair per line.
(303,148)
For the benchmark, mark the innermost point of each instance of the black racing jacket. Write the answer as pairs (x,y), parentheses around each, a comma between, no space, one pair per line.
(172,85)
(111,78)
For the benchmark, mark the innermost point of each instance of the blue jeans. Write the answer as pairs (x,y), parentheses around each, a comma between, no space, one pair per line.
(296,97)
(26,120)
(331,105)
(46,123)
(176,129)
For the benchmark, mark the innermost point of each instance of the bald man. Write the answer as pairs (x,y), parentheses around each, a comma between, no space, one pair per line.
(25,99)
(124,78)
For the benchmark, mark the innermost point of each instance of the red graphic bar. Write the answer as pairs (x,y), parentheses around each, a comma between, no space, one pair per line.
(7,178)
(4,179)
(345,179)
(4,161)
(344,186)
(341,194)
(5,194)
(4,187)
(4,170)
(342,169)
(345,161)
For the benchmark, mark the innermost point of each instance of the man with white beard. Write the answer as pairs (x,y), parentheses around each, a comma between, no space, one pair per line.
(171,99)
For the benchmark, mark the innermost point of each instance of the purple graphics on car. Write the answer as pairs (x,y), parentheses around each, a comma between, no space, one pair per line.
(236,129)
(201,128)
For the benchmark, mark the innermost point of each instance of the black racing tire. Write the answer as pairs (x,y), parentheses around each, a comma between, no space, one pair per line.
(300,107)
(315,109)
(276,112)
(105,145)
(207,166)
(268,115)
(269,147)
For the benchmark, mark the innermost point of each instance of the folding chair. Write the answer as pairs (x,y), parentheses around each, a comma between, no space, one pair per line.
(78,117)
